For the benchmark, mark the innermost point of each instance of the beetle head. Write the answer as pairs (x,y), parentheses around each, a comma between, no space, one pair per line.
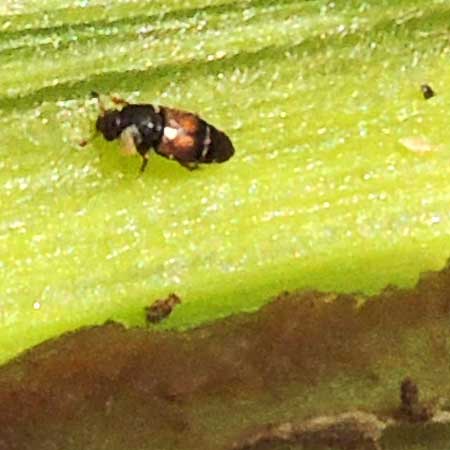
(109,124)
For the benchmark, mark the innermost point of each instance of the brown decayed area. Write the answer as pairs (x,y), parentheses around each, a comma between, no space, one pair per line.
(108,387)
(349,431)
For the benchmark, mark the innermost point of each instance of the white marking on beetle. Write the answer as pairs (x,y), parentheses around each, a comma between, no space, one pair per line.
(206,141)
(170,133)
(150,125)
(173,123)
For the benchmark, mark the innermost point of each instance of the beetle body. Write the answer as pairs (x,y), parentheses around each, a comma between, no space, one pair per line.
(172,133)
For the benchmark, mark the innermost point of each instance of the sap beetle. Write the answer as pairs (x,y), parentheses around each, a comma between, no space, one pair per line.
(172,133)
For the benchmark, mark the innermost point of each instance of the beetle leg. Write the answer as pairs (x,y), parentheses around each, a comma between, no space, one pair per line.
(145,157)
(128,142)
(101,105)
(189,165)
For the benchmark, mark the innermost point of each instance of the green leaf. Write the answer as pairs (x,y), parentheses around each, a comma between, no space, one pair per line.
(315,96)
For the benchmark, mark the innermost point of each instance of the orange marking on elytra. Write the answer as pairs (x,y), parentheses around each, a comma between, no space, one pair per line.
(185,141)
(189,123)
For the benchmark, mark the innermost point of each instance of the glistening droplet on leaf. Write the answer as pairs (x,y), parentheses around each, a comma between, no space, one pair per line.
(419,144)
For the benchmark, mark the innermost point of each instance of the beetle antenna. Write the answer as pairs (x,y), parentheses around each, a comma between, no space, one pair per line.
(101,105)
(118,100)
(95,134)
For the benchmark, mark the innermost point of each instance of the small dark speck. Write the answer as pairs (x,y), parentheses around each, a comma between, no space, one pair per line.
(427,91)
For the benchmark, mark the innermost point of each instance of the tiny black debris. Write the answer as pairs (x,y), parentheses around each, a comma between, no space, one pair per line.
(427,91)
(161,309)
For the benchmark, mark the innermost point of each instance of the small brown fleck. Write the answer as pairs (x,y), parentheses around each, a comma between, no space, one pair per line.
(162,308)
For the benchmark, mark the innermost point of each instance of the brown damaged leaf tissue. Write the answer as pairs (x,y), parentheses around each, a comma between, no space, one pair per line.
(302,357)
